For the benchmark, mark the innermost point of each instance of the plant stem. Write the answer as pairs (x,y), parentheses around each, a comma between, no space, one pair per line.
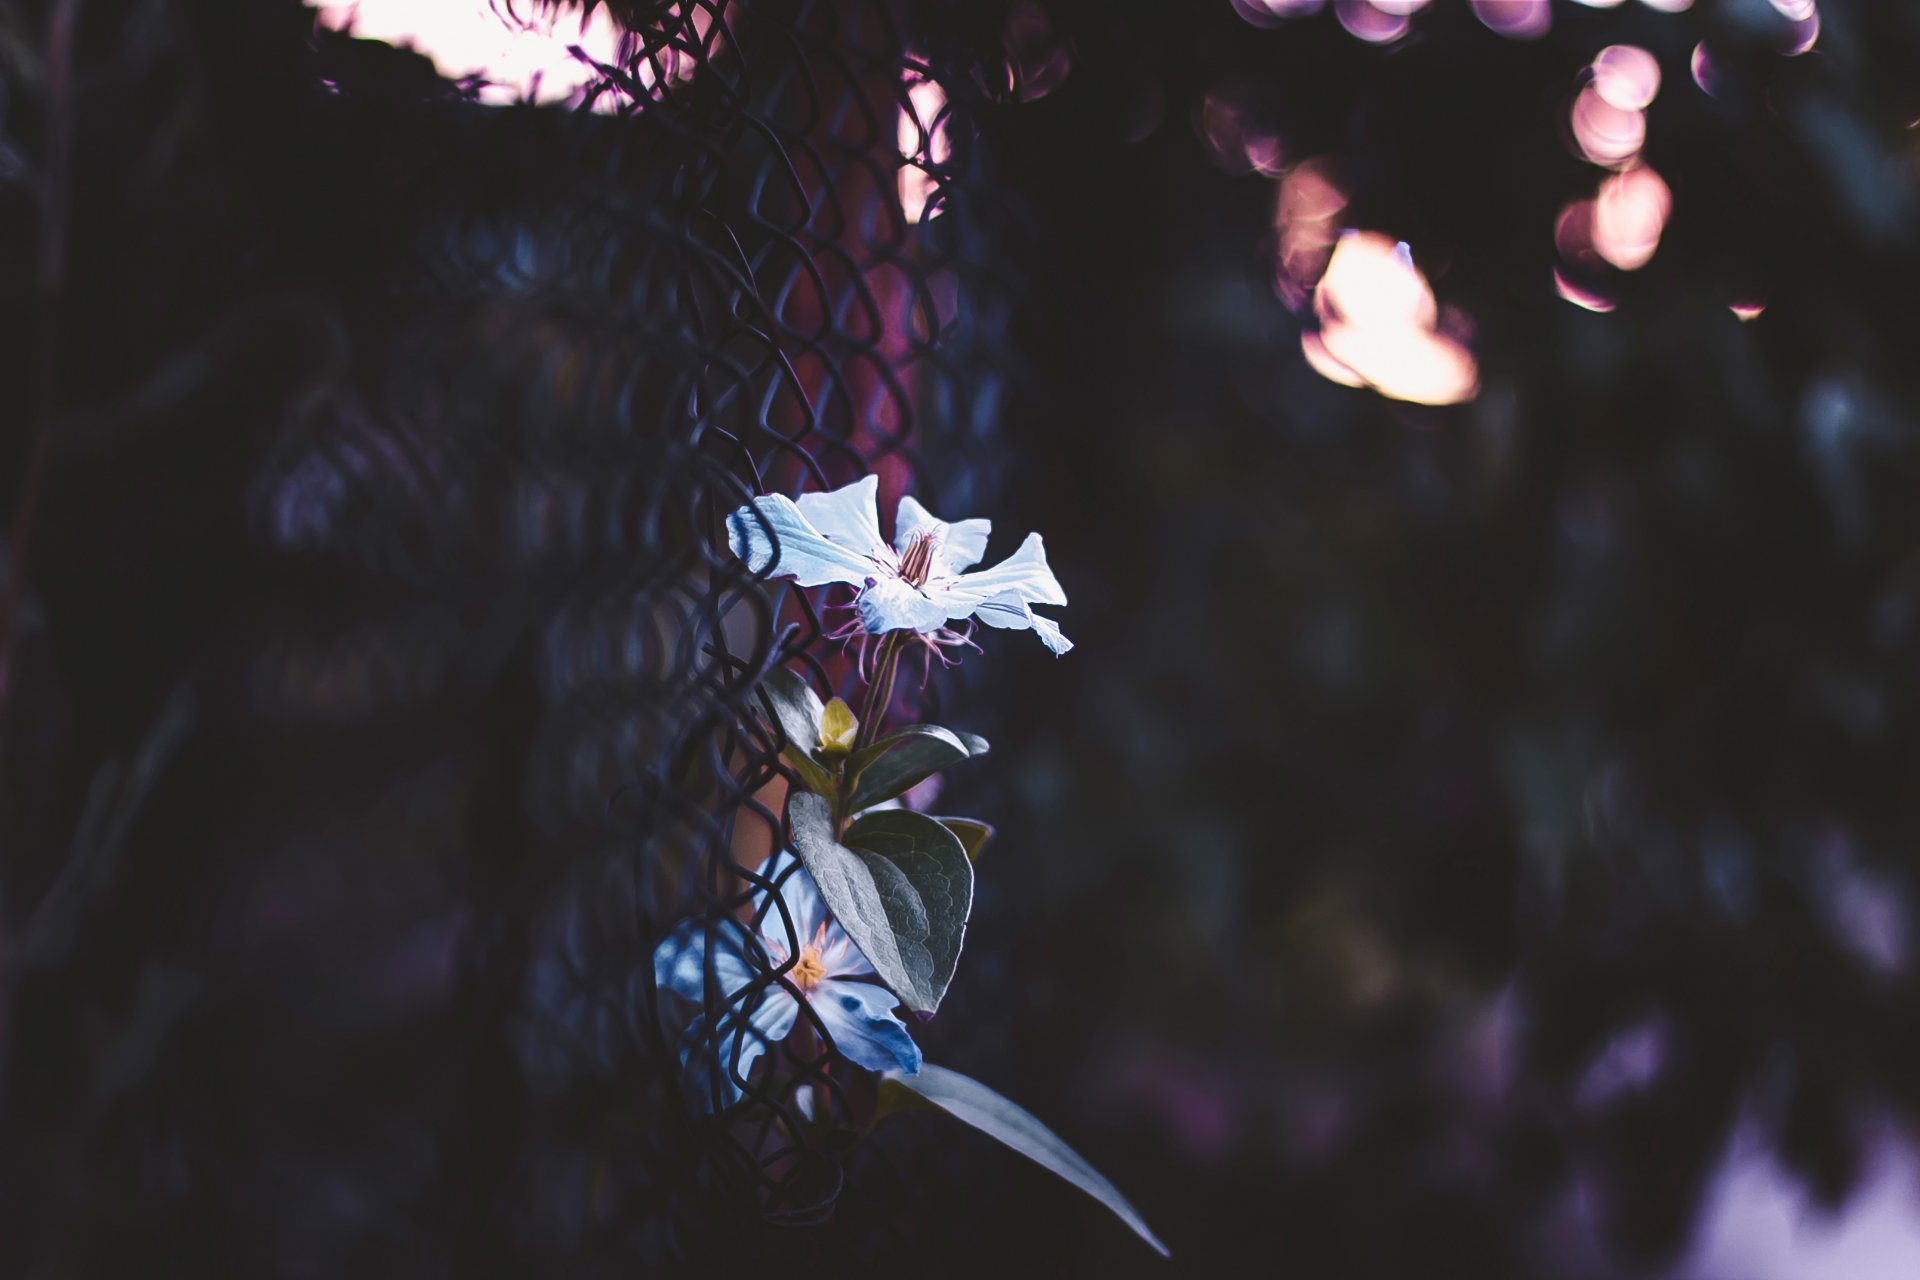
(880,692)
(873,709)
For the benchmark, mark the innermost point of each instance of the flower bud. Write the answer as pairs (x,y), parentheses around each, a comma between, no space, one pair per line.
(838,729)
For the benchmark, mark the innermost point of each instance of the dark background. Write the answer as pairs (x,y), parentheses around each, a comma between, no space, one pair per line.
(1468,840)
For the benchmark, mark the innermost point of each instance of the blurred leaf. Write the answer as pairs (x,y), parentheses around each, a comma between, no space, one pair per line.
(969,1101)
(900,885)
(973,835)
(899,761)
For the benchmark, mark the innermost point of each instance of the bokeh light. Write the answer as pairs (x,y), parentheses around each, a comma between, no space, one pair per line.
(1805,34)
(1037,58)
(1370,22)
(521,61)
(1377,326)
(1579,295)
(1268,13)
(1760,1221)
(1371,280)
(1804,15)
(1706,73)
(1577,279)
(1606,135)
(1515,19)
(922,137)
(1608,120)
(1626,76)
(1235,131)
(527,55)
(1573,234)
(1307,207)
(1747,310)
(1324,364)
(1629,213)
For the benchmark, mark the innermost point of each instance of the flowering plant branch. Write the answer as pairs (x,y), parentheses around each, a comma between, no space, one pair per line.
(875,896)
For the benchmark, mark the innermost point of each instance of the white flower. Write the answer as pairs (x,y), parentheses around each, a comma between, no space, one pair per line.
(918,584)
(828,973)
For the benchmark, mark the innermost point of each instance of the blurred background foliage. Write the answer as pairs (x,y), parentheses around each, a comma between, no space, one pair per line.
(1473,837)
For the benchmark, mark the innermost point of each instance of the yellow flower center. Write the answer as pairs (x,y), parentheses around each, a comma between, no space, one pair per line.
(807,971)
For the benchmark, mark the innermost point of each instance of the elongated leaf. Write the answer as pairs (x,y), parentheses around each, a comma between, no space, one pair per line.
(900,885)
(899,761)
(970,1101)
(867,755)
(892,1098)
(798,711)
(973,834)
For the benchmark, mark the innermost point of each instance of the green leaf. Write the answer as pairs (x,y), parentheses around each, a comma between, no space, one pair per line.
(811,775)
(900,760)
(970,1101)
(972,833)
(795,705)
(900,885)
(868,754)
(797,711)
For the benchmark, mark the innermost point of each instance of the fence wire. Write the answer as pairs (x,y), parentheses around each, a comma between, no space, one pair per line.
(539,354)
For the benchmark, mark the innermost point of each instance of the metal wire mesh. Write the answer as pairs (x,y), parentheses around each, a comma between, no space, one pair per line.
(735,302)
(744,306)
(541,358)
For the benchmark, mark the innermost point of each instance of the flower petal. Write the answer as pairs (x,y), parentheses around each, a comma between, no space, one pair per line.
(715,1065)
(1051,635)
(841,956)
(747,1023)
(1011,613)
(680,961)
(890,604)
(804,904)
(849,516)
(775,1015)
(803,552)
(1024,573)
(957,546)
(859,1016)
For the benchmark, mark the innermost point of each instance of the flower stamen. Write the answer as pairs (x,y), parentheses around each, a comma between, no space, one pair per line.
(916,562)
(809,971)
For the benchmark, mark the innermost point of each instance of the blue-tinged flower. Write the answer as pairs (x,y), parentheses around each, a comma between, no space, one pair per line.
(758,1009)
(920,583)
